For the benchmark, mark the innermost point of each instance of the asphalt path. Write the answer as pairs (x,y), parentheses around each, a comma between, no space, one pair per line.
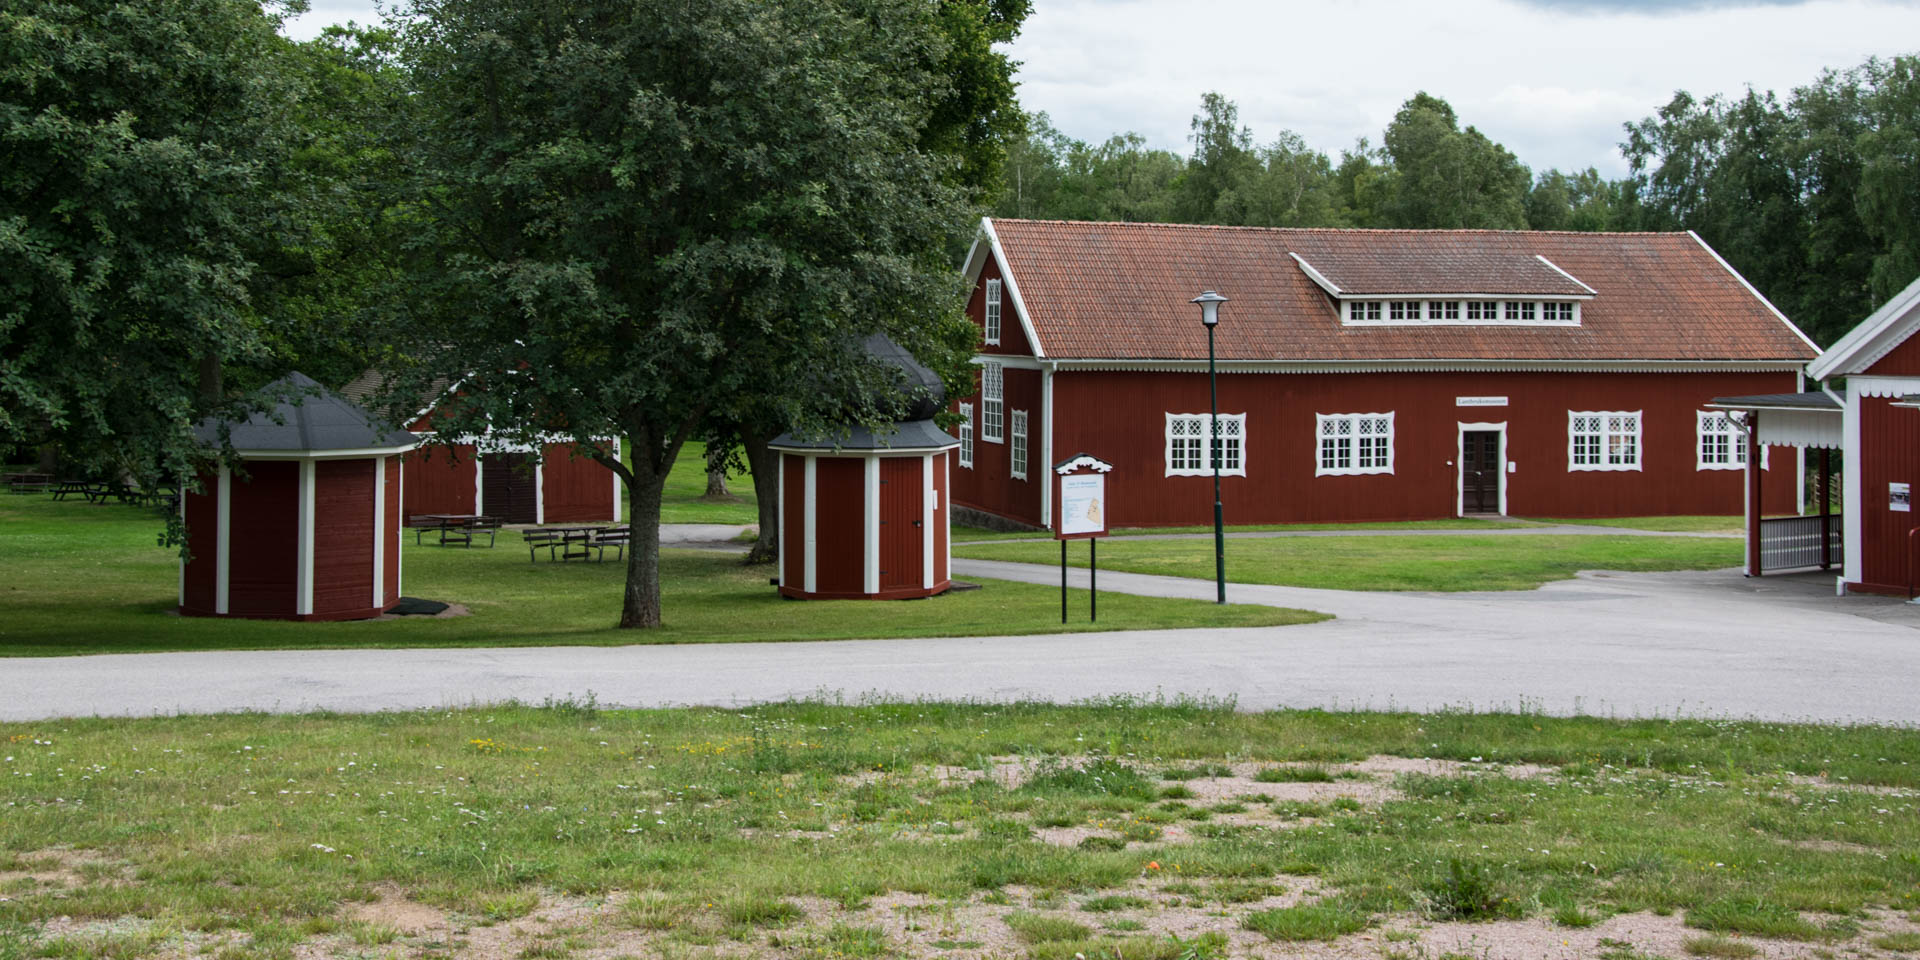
(1697,644)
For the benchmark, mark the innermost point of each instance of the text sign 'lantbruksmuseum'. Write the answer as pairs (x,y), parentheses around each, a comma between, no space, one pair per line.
(1479,401)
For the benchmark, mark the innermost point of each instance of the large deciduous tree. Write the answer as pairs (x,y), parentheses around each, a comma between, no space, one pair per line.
(144,148)
(646,213)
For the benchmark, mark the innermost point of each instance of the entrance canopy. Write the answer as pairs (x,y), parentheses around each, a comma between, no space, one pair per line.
(1791,419)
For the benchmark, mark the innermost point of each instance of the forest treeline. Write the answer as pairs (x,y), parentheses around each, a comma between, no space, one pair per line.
(1814,196)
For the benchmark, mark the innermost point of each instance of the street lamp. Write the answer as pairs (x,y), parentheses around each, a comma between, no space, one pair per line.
(1210,315)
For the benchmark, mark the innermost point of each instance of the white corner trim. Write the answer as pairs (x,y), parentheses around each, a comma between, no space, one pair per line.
(1460,463)
(1012,288)
(1724,265)
(616,486)
(222,565)
(809,556)
(540,491)
(400,537)
(379,531)
(927,516)
(1046,443)
(1569,276)
(1852,503)
(479,488)
(1315,275)
(870,556)
(303,556)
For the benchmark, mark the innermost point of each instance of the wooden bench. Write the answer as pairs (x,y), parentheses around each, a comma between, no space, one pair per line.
(67,488)
(28,482)
(537,538)
(463,531)
(615,537)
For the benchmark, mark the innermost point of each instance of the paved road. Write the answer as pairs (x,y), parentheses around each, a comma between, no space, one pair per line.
(1530,530)
(1627,645)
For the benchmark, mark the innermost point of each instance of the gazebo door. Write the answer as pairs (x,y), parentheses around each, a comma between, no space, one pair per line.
(506,487)
(902,524)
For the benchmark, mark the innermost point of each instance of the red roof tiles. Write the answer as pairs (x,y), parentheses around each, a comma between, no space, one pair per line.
(1121,291)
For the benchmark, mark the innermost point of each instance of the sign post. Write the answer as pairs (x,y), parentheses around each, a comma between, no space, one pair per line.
(1082,488)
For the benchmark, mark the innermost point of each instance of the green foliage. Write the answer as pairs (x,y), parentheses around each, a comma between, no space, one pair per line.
(1468,891)
(1043,927)
(1755,916)
(1325,920)
(1103,776)
(1446,177)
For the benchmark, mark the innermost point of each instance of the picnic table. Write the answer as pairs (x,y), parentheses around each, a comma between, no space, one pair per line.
(27,482)
(457,528)
(577,542)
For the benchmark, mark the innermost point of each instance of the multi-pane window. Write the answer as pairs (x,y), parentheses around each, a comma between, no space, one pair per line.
(1722,445)
(1188,439)
(1403,310)
(1520,311)
(1603,440)
(1354,443)
(1363,311)
(992,403)
(1557,311)
(1017,424)
(1500,312)
(966,435)
(1443,309)
(993,311)
(1483,309)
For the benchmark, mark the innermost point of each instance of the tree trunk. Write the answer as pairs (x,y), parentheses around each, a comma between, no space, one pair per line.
(640,607)
(716,479)
(764,464)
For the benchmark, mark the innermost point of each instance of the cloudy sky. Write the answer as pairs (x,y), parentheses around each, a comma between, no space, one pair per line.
(1551,79)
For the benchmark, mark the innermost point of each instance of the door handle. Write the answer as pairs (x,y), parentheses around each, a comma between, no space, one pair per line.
(916,523)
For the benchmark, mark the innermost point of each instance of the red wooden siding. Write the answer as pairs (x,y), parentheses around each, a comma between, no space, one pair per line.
(203,546)
(1889,453)
(793,520)
(574,489)
(439,480)
(942,463)
(1901,361)
(343,542)
(989,484)
(1013,338)
(901,523)
(1121,417)
(390,590)
(839,525)
(262,546)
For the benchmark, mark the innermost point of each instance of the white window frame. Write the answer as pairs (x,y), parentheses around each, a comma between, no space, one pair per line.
(992,312)
(993,402)
(1017,446)
(1606,437)
(1717,424)
(966,435)
(1472,312)
(1349,465)
(1233,426)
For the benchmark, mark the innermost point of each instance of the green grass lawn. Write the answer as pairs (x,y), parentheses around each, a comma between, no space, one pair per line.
(1677,524)
(947,830)
(962,534)
(684,499)
(1413,562)
(85,578)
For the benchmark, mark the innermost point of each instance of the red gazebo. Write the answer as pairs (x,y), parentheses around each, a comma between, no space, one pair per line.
(307,526)
(865,516)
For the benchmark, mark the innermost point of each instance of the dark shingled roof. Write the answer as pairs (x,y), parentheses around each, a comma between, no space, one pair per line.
(1813,400)
(911,435)
(1121,291)
(317,419)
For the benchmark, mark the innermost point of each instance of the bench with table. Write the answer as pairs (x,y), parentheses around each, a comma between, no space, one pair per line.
(454,528)
(27,482)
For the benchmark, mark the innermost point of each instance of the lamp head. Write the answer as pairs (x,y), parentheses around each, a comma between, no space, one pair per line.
(1209,307)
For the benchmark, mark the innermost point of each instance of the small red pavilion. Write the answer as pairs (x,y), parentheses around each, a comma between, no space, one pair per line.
(865,516)
(308,526)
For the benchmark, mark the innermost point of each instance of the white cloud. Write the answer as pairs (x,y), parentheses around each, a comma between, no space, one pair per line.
(1552,79)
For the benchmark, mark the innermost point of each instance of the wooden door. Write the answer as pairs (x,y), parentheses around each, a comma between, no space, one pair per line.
(902,525)
(506,487)
(1480,470)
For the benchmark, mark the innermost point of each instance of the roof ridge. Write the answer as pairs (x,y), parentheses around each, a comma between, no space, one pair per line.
(1397,230)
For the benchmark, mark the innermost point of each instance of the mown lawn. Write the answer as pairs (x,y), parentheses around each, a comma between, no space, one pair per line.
(1413,562)
(684,499)
(84,578)
(1117,829)
(964,533)
(1675,524)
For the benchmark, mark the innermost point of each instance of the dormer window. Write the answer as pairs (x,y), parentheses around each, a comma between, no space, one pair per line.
(1496,313)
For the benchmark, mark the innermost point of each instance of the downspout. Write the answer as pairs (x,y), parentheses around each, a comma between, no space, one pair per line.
(1046,442)
(1748,423)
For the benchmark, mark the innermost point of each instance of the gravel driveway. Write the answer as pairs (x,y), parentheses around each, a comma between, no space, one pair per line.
(1709,643)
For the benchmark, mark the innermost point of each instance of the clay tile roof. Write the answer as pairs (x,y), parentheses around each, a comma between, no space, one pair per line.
(1121,291)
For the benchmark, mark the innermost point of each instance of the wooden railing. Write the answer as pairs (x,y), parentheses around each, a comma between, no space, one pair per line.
(1789,542)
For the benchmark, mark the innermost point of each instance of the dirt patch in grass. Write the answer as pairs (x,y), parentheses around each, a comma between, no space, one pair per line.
(1832,846)
(54,866)
(393,909)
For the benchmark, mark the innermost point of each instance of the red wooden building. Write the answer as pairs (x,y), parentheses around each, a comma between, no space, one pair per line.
(1880,360)
(1367,374)
(309,527)
(485,475)
(864,515)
